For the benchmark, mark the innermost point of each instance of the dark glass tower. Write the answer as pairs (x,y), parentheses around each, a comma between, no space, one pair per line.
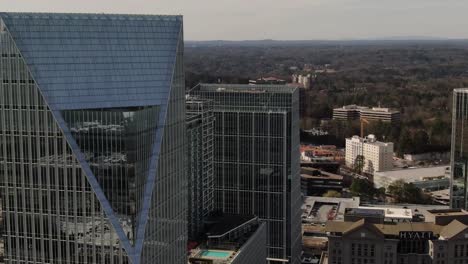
(200,129)
(459,154)
(92,128)
(256,159)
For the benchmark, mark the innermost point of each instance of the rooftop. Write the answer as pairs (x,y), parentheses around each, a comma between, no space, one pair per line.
(441,196)
(270,79)
(351,107)
(228,223)
(311,173)
(413,174)
(245,88)
(391,213)
(366,211)
(95,16)
(461,90)
(416,209)
(392,229)
(370,139)
(379,109)
(448,212)
(454,228)
(322,209)
(315,242)
(366,109)
(226,238)
(312,229)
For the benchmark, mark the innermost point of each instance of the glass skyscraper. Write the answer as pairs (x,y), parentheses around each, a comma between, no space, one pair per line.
(92,135)
(459,154)
(200,129)
(256,159)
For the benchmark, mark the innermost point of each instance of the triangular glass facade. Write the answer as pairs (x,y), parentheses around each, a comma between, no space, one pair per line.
(98,101)
(53,214)
(117,144)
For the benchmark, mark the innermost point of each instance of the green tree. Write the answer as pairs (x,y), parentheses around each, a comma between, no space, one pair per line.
(381,191)
(359,164)
(403,192)
(405,143)
(420,141)
(362,187)
(331,194)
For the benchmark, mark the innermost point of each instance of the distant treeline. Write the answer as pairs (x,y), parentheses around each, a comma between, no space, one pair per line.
(415,77)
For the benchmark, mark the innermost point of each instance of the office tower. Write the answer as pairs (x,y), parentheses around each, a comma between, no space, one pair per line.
(459,153)
(200,129)
(2,231)
(353,112)
(92,128)
(256,159)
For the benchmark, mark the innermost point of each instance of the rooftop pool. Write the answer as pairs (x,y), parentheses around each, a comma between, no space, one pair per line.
(215,254)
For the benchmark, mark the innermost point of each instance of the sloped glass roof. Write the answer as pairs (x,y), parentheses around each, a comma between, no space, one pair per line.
(98,61)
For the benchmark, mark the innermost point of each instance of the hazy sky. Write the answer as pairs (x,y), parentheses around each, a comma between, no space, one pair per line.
(283,19)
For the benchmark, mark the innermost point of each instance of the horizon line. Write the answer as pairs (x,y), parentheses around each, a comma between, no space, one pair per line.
(337,40)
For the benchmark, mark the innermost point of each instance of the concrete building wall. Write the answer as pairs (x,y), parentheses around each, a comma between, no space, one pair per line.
(254,251)
(352,150)
(367,244)
(378,156)
(362,247)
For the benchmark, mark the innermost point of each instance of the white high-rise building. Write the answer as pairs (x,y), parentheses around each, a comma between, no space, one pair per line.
(378,156)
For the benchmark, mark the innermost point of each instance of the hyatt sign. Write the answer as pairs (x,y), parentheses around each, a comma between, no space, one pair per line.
(416,235)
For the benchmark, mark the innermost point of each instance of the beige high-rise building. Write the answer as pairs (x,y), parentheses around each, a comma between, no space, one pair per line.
(378,156)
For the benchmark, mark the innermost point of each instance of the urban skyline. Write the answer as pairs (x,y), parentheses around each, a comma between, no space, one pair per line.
(120,142)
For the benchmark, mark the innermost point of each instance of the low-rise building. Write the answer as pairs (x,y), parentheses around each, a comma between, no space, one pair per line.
(267,80)
(446,216)
(438,242)
(319,210)
(304,80)
(322,163)
(353,112)
(348,112)
(315,182)
(429,178)
(314,242)
(379,214)
(380,114)
(444,156)
(376,155)
(329,152)
(440,196)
